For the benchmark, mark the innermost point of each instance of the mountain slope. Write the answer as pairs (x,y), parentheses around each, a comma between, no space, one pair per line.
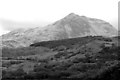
(70,26)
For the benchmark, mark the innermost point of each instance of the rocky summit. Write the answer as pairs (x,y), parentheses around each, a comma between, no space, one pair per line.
(71,26)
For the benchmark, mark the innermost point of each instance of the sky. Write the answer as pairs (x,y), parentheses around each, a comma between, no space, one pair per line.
(16,14)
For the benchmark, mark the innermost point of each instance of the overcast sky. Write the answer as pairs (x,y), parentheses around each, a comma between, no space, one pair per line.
(31,13)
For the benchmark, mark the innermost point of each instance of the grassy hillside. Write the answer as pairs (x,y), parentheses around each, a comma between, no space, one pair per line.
(87,58)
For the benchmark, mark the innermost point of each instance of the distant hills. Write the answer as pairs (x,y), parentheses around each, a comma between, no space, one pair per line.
(71,26)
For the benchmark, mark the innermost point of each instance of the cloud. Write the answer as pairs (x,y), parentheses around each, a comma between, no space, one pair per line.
(9,25)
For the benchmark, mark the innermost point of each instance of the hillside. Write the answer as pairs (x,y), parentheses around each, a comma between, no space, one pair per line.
(83,58)
(71,26)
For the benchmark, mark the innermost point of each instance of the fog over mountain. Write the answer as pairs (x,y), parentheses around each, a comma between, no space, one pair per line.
(70,26)
(9,25)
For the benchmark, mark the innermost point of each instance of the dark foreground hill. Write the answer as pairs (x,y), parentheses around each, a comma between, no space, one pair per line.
(86,58)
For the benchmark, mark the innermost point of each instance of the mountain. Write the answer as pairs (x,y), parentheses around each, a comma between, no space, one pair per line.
(71,26)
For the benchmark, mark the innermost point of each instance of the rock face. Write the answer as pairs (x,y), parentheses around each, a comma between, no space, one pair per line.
(70,26)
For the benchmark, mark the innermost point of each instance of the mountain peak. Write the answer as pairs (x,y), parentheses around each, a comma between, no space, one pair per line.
(72,15)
